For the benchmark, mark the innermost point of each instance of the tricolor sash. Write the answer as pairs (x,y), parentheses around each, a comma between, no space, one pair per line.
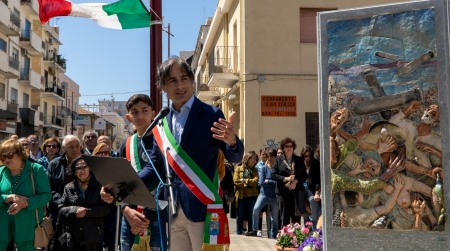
(132,152)
(216,233)
(141,242)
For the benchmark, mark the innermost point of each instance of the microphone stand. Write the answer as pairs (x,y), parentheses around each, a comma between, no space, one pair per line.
(172,209)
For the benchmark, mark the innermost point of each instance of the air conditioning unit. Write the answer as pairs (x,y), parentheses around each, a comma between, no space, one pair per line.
(23,51)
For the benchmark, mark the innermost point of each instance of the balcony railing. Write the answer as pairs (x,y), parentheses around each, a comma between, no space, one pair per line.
(25,35)
(15,19)
(221,59)
(61,61)
(55,89)
(27,115)
(12,107)
(13,62)
(24,74)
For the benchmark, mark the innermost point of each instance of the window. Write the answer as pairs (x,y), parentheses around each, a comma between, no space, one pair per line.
(3,45)
(2,90)
(14,95)
(26,100)
(15,54)
(308,27)
(312,129)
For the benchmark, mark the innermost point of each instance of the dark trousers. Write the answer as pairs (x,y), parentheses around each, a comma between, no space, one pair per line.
(244,212)
(286,204)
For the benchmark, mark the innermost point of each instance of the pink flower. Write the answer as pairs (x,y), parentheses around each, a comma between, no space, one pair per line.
(305,230)
(309,224)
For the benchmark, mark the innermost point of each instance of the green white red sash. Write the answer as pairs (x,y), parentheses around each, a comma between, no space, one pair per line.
(132,152)
(216,234)
(132,155)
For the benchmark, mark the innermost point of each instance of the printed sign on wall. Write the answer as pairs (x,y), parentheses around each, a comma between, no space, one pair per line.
(279,106)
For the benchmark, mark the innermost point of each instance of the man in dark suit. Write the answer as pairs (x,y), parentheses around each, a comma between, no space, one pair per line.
(201,130)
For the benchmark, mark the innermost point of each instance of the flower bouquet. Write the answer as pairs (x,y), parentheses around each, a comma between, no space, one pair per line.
(298,238)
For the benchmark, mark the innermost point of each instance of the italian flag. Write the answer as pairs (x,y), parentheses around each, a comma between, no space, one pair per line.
(121,15)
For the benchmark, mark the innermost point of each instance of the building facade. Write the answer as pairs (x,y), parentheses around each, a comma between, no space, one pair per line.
(33,98)
(258,58)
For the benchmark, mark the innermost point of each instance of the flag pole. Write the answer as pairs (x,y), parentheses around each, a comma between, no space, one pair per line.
(155,52)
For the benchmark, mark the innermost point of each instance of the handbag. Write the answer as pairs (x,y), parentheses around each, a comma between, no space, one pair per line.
(44,229)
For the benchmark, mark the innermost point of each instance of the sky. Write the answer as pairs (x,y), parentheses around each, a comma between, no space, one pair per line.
(109,63)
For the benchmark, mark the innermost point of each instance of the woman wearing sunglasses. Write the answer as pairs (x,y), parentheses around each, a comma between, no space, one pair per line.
(17,199)
(51,148)
(82,208)
(289,172)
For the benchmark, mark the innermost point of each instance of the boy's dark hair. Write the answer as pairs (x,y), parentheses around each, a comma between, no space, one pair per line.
(136,98)
(163,70)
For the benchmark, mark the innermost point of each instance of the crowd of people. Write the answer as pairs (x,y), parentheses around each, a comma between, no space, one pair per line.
(193,140)
(284,185)
(84,210)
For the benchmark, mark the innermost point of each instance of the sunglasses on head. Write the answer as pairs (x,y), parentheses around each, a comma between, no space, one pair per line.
(81,167)
(103,153)
(7,156)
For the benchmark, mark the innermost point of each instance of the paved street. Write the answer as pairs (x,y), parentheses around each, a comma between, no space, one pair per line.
(245,243)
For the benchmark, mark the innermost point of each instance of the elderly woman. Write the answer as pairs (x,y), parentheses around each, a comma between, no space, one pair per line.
(17,200)
(246,181)
(51,148)
(82,208)
(289,172)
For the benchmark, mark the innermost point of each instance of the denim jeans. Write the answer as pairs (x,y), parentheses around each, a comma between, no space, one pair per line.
(127,237)
(262,201)
(316,211)
(245,207)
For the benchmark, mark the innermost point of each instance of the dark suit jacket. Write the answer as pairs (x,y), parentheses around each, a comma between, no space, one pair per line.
(281,170)
(314,176)
(198,143)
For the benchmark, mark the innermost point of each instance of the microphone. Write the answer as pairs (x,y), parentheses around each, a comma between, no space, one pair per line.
(163,113)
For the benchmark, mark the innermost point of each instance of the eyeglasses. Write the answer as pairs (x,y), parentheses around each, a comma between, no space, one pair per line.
(289,146)
(81,167)
(33,140)
(103,153)
(7,156)
(52,146)
(24,144)
(90,137)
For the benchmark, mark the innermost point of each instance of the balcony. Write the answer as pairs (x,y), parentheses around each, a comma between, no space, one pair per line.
(9,22)
(53,91)
(5,66)
(53,122)
(30,7)
(208,95)
(32,78)
(27,116)
(6,114)
(9,66)
(10,113)
(55,62)
(223,67)
(31,42)
(53,32)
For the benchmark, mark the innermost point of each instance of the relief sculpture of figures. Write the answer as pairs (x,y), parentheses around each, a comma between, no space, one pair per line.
(385,135)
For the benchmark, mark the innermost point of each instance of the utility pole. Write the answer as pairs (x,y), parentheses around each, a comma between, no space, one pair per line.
(168,39)
(155,52)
